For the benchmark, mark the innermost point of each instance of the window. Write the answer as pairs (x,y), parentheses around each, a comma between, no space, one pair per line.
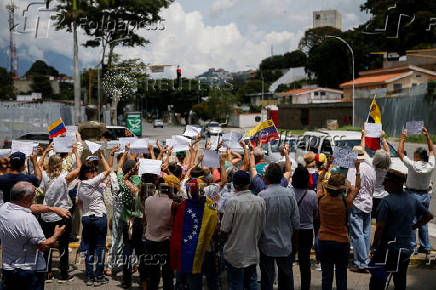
(398,87)
(322,93)
(326,147)
(316,93)
(418,75)
(313,144)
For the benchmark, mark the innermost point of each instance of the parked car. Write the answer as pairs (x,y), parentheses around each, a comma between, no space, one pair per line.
(38,137)
(213,128)
(118,131)
(272,151)
(158,123)
(324,141)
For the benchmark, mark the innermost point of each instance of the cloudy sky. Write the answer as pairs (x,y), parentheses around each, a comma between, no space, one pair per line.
(199,34)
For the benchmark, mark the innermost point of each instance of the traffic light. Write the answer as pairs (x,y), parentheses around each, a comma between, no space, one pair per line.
(179,77)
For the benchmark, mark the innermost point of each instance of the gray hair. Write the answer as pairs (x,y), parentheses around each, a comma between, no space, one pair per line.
(230,171)
(381,160)
(258,153)
(21,190)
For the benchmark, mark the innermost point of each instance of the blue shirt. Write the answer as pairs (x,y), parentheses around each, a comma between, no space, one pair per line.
(259,184)
(398,211)
(8,181)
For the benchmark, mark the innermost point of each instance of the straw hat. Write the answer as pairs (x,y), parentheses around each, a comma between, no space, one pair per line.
(361,154)
(309,158)
(337,181)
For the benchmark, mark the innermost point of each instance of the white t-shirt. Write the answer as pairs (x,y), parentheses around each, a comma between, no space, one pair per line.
(20,233)
(93,202)
(380,175)
(56,195)
(419,173)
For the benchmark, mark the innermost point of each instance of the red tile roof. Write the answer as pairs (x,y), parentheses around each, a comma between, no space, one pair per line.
(296,91)
(373,80)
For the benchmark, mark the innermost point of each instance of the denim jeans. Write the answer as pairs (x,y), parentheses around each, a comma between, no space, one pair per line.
(116,252)
(360,229)
(241,278)
(94,242)
(334,254)
(23,280)
(316,226)
(423,230)
(48,229)
(284,266)
(135,243)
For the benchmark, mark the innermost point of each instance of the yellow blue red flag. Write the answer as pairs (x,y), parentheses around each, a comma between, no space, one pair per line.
(57,128)
(374,116)
(265,131)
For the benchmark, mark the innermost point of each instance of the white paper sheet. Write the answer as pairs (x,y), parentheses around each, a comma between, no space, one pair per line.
(4,153)
(344,157)
(63,144)
(414,127)
(123,141)
(214,142)
(182,143)
(231,140)
(373,130)
(139,146)
(71,132)
(170,142)
(149,166)
(191,131)
(93,147)
(211,159)
(24,147)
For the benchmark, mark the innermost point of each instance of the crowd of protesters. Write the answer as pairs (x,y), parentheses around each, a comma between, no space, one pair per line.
(248,220)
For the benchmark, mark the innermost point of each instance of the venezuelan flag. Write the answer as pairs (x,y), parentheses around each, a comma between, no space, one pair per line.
(194,226)
(265,131)
(57,128)
(374,116)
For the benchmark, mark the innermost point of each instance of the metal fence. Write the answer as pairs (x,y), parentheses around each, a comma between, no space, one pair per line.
(19,118)
(406,105)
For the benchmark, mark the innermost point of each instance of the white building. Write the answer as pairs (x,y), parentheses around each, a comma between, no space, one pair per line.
(310,96)
(327,18)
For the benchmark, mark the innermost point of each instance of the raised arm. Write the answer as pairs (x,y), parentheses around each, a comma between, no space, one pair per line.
(223,171)
(429,142)
(151,150)
(44,154)
(133,188)
(236,158)
(362,139)
(75,173)
(253,171)
(36,169)
(385,143)
(106,167)
(246,164)
(123,159)
(111,159)
(288,167)
(401,145)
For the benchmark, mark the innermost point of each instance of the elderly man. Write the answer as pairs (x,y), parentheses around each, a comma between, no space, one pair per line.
(396,217)
(419,175)
(23,240)
(259,156)
(360,217)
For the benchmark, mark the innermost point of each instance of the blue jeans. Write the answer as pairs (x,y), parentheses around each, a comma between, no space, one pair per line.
(333,253)
(94,241)
(134,243)
(23,280)
(360,229)
(424,242)
(285,275)
(241,278)
(316,226)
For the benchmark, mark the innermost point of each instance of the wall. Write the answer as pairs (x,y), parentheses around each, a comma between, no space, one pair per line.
(245,120)
(313,116)
(19,118)
(24,86)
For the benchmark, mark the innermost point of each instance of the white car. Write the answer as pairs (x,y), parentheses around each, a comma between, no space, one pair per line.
(158,123)
(214,128)
(324,141)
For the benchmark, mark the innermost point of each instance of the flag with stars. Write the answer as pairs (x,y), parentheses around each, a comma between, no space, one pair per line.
(265,131)
(194,226)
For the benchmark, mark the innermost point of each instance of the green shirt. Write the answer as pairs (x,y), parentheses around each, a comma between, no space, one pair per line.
(132,206)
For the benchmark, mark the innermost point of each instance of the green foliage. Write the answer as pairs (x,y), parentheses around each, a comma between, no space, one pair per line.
(330,63)
(66,91)
(255,109)
(6,85)
(294,85)
(251,87)
(288,60)
(39,67)
(421,139)
(41,84)
(314,37)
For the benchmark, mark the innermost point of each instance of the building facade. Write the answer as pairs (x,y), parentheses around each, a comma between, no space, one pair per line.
(327,18)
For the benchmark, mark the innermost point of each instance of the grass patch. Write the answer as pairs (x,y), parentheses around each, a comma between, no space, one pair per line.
(293,132)
(421,139)
(350,128)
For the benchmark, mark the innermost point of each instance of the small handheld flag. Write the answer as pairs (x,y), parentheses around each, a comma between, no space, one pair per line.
(57,128)
(265,131)
(374,116)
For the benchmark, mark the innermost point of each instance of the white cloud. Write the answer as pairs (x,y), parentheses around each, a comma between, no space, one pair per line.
(220,6)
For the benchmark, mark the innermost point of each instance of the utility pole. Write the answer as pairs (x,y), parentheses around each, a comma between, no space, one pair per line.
(76,76)
(12,48)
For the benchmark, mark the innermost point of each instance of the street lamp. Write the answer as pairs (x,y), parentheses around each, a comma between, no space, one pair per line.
(352,56)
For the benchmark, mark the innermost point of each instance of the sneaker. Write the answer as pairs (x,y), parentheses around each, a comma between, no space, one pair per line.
(317,266)
(50,277)
(67,279)
(100,281)
(90,281)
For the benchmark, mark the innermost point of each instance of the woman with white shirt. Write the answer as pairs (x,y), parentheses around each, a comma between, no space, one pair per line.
(94,220)
(55,183)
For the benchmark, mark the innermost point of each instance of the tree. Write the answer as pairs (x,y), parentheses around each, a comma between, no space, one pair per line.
(40,67)
(315,36)
(296,58)
(6,85)
(41,84)
(330,63)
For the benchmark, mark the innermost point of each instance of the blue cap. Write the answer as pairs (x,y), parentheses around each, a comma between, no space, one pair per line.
(241,178)
(18,156)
